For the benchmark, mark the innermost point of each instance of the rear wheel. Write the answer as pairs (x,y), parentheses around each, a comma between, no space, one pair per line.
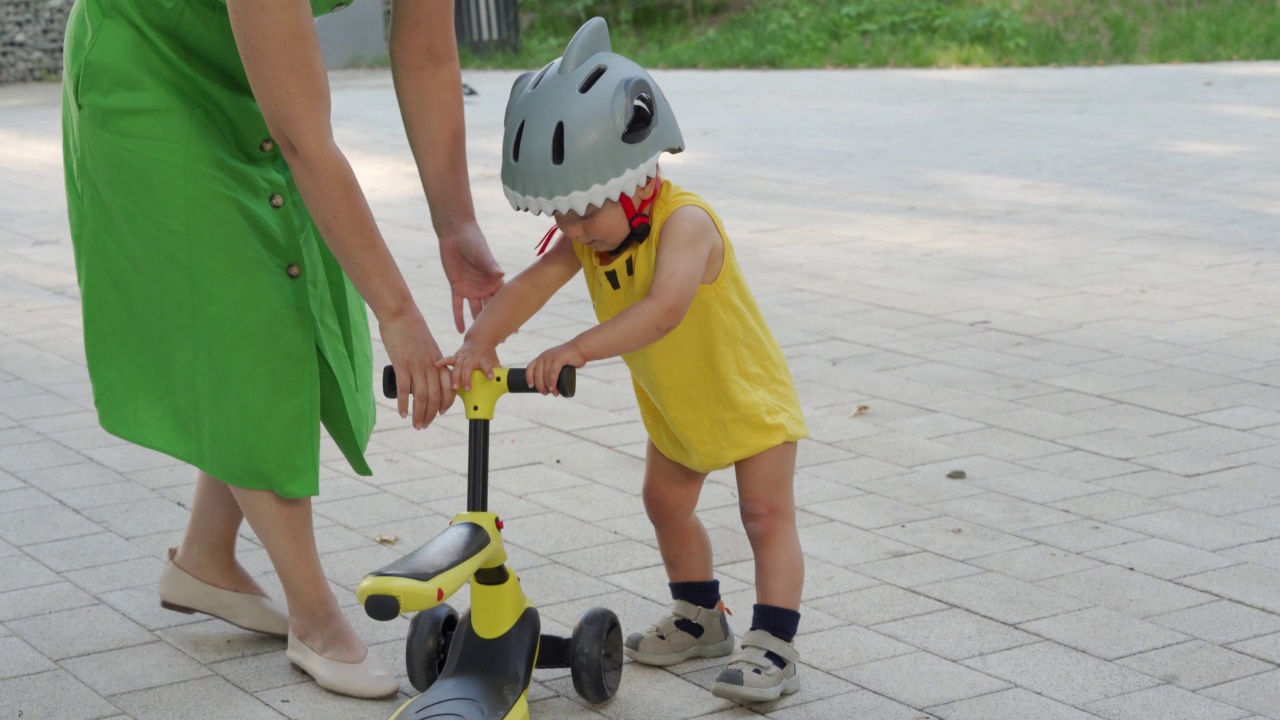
(430,633)
(595,652)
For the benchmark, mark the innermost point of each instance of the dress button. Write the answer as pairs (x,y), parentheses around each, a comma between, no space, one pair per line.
(266,145)
(276,200)
(339,6)
(293,271)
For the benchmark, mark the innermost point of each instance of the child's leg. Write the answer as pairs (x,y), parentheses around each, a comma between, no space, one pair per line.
(671,493)
(766,501)
(765,668)
(695,626)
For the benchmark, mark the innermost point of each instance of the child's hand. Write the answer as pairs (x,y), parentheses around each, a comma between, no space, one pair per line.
(469,358)
(543,372)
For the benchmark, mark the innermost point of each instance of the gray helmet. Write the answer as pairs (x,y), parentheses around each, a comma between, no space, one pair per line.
(585,129)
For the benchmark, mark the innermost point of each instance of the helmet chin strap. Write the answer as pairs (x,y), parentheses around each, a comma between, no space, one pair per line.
(636,218)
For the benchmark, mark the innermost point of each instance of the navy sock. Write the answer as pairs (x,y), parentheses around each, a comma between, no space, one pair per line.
(778,622)
(703,594)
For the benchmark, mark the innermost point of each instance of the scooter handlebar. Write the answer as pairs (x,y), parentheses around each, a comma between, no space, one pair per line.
(515,379)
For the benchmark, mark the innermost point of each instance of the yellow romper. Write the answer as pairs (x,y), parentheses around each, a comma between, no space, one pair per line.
(716,389)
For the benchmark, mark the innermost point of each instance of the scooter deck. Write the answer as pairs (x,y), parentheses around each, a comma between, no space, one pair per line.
(484,678)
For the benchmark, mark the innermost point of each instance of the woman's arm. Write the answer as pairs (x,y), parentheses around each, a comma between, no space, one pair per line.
(428,81)
(281,55)
(511,308)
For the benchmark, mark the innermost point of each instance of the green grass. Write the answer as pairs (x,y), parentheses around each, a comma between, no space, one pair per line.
(904,33)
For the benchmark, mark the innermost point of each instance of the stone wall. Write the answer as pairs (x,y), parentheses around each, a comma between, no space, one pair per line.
(31,34)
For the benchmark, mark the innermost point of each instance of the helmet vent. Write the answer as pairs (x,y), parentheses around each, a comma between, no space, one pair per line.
(515,146)
(591,79)
(540,75)
(557,145)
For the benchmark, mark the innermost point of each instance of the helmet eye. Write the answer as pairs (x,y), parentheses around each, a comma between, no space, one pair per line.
(640,120)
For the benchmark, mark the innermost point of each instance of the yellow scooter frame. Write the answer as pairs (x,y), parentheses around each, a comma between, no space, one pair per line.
(478,666)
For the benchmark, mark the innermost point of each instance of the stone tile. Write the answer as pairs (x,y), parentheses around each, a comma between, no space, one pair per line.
(37,455)
(1035,563)
(1195,665)
(44,524)
(1082,535)
(1010,705)
(1104,633)
(869,511)
(131,520)
(1002,598)
(1258,693)
(1001,512)
(859,704)
(1057,672)
(1164,702)
(84,551)
(1247,584)
(898,678)
(18,658)
(846,546)
(1263,647)
(203,697)
(876,605)
(81,631)
(53,694)
(952,538)
(23,499)
(651,692)
(1221,622)
(142,605)
(106,494)
(308,701)
(213,641)
(131,573)
(20,571)
(920,568)
(134,668)
(955,634)
(851,645)
(555,532)
(1110,505)
(1039,487)
(1161,558)
(42,599)
(1127,591)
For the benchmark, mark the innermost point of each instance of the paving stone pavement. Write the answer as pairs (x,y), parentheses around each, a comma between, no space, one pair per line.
(1062,282)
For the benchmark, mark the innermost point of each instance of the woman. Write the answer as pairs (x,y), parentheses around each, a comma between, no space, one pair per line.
(225,253)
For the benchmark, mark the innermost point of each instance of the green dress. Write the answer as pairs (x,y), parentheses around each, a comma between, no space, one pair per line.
(218,327)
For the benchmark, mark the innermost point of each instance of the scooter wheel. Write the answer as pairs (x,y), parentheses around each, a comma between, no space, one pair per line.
(595,652)
(430,633)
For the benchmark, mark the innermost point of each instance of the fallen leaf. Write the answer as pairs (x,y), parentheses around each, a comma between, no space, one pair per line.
(957,475)
(860,410)
(386,539)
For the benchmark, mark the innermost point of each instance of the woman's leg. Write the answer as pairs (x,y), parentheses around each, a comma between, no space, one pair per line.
(208,549)
(671,498)
(766,500)
(284,527)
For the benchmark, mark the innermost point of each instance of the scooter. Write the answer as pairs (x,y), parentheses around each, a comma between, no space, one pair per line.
(478,665)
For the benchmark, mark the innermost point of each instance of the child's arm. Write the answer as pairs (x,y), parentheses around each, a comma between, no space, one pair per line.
(511,307)
(690,241)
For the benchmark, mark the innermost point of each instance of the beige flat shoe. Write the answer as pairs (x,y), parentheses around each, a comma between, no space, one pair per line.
(368,678)
(183,593)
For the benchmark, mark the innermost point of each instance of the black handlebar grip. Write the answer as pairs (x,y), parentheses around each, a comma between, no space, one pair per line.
(566,384)
(516,382)
(389,382)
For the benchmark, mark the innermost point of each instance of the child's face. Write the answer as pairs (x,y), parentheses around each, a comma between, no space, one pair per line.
(602,229)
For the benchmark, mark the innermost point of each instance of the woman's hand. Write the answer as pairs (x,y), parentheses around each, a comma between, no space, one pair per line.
(472,272)
(470,357)
(544,371)
(414,355)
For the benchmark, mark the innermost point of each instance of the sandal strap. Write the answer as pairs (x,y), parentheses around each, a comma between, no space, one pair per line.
(682,610)
(766,642)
